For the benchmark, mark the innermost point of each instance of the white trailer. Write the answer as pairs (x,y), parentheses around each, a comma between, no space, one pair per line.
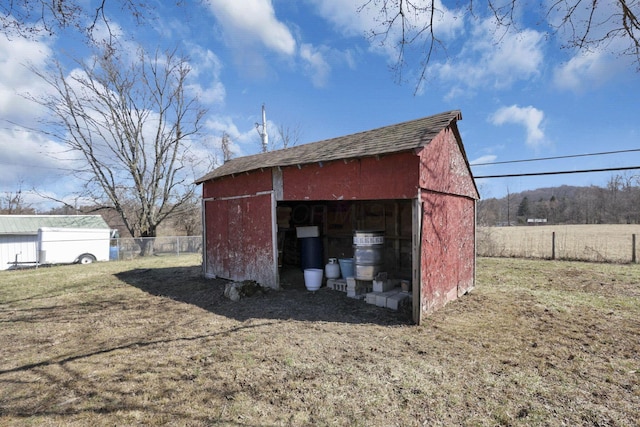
(73,245)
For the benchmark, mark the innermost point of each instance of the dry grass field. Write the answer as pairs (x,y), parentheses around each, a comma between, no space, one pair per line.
(150,342)
(601,243)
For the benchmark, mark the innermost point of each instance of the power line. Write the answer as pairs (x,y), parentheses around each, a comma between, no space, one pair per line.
(556,157)
(514,175)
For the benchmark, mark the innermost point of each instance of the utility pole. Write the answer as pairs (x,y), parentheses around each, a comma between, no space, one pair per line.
(262,130)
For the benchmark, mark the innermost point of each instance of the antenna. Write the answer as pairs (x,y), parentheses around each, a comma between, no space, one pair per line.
(262,130)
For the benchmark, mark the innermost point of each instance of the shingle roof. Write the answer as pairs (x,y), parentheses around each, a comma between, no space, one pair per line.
(29,224)
(385,140)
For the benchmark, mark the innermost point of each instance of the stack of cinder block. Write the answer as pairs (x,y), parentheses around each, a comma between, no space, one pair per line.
(382,291)
(357,288)
(386,293)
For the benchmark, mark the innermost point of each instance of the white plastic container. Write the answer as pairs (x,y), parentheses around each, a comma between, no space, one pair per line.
(313,278)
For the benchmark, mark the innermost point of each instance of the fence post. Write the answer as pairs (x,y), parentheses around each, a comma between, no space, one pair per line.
(178,244)
(553,245)
(633,248)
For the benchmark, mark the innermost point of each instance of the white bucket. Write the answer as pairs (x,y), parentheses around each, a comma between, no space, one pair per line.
(313,278)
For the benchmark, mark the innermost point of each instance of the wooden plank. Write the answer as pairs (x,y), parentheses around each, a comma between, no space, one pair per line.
(417,259)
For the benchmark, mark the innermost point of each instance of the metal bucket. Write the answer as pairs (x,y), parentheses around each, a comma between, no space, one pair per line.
(368,248)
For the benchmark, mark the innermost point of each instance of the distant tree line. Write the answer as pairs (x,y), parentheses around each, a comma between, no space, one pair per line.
(185,221)
(617,203)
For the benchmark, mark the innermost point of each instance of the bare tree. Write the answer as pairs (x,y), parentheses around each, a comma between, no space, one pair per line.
(14,204)
(225,146)
(289,136)
(133,124)
(32,18)
(189,218)
(585,25)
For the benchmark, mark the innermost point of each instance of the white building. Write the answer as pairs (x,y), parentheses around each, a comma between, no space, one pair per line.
(19,234)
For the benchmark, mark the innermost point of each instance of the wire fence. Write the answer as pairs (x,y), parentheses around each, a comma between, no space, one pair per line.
(600,243)
(127,248)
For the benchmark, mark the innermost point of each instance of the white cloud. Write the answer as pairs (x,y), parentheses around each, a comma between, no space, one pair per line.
(249,21)
(488,158)
(479,55)
(243,142)
(353,20)
(489,58)
(29,159)
(588,69)
(16,79)
(346,16)
(315,64)
(529,117)
(603,58)
(205,76)
(32,159)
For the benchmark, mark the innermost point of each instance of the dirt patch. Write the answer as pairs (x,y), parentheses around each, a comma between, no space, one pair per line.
(152,343)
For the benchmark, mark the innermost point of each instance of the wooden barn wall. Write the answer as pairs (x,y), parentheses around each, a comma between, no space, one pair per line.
(393,176)
(240,240)
(238,185)
(448,249)
(443,167)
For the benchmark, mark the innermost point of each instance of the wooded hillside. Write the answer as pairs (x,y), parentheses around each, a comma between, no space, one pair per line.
(617,203)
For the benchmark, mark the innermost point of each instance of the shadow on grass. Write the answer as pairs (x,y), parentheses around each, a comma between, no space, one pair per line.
(293,301)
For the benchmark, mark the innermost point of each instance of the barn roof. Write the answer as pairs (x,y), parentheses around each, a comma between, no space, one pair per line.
(29,224)
(385,140)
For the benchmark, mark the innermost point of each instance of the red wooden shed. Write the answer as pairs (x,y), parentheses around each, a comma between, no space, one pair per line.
(410,180)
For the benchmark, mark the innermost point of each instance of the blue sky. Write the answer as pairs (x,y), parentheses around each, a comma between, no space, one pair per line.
(310,63)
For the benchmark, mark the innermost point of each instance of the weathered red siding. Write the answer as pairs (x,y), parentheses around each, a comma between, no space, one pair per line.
(240,239)
(388,177)
(448,249)
(447,260)
(238,185)
(444,168)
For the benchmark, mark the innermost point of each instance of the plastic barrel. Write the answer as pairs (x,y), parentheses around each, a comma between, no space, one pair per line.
(368,253)
(311,255)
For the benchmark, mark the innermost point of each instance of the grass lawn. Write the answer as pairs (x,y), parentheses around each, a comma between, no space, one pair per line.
(150,342)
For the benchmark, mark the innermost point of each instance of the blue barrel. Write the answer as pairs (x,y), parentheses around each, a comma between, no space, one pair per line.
(311,255)
(114,253)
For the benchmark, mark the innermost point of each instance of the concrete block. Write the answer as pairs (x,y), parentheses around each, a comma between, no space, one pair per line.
(337,284)
(382,285)
(370,297)
(393,301)
(357,288)
(381,299)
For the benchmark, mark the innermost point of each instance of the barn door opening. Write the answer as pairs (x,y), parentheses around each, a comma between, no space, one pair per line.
(338,220)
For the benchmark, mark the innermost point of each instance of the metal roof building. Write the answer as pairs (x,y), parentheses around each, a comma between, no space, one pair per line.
(29,224)
(19,233)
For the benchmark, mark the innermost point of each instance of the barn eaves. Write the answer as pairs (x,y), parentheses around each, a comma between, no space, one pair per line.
(406,136)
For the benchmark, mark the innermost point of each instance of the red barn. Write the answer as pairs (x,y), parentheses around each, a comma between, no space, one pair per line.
(410,180)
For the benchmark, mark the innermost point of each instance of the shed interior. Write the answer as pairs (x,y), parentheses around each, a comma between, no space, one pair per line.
(337,221)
